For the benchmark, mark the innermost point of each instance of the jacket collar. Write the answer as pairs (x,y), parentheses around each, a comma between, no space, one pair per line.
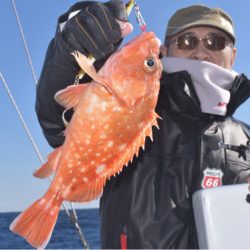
(182,98)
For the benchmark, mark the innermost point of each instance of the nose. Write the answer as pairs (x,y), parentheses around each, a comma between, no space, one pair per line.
(200,52)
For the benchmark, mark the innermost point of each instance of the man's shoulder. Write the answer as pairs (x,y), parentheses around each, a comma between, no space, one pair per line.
(243,125)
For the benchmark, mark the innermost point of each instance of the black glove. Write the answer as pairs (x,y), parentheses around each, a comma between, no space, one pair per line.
(94,29)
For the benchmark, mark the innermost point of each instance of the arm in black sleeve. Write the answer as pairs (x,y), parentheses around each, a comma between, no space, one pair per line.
(60,68)
(59,71)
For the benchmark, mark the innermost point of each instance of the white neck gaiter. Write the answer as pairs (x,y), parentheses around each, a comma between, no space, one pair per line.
(211,82)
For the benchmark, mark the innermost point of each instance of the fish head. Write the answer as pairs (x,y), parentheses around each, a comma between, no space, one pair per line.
(135,69)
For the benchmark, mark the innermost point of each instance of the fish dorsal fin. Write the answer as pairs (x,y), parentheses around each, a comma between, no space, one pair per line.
(88,67)
(70,96)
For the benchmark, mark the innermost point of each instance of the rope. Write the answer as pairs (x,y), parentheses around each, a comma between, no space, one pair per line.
(21,118)
(73,216)
(24,41)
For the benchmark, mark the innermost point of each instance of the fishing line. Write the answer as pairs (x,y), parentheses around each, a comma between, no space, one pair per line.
(24,41)
(72,216)
(139,17)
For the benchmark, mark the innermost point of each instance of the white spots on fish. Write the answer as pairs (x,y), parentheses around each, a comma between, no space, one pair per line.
(104,159)
(106,126)
(67,191)
(100,168)
(81,148)
(110,144)
(77,156)
(70,171)
(53,196)
(90,109)
(93,100)
(83,169)
(112,98)
(104,106)
(74,180)
(78,163)
(116,109)
(85,179)
(90,150)
(109,156)
(92,162)
(51,212)
(103,136)
(42,201)
(122,147)
(93,126)
(70,165)
(97,154)
(78,142)
(48,206)
(87,141)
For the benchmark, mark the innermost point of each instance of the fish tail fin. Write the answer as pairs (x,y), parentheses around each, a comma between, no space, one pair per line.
(37,222)
(49,167)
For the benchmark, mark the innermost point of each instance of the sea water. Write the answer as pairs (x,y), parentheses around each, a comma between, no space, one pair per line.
(64,236)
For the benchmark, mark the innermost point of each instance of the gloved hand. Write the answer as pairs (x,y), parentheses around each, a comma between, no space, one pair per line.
(95,30)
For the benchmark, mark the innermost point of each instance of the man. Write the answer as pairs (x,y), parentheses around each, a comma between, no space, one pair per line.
(149,204)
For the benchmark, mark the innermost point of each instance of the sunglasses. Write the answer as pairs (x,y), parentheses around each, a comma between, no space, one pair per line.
(212,41)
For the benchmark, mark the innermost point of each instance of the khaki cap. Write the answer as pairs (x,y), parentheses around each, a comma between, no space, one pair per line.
(199,15)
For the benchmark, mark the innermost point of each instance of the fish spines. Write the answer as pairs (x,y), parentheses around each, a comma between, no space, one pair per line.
(134,149)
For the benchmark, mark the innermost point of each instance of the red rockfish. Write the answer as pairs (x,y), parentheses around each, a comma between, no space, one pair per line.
(113,115)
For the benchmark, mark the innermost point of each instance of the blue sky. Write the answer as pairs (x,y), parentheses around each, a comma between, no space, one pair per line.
(18,188)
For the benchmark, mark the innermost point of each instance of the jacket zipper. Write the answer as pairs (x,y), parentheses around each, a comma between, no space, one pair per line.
(197,173)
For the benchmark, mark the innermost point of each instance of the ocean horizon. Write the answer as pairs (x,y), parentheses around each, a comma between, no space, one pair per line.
(64,236)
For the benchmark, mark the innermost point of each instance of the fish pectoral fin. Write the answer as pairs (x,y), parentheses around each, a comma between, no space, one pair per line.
(88,67)
(70,96)
(49,167)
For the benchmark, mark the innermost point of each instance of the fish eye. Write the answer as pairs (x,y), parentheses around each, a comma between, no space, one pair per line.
(150,64)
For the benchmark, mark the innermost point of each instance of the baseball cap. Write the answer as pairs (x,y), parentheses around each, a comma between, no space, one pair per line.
(199,15)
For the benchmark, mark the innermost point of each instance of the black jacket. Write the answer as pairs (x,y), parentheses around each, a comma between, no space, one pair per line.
(150,201)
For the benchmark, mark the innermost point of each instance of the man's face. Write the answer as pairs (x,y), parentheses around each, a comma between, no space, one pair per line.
(224,58)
